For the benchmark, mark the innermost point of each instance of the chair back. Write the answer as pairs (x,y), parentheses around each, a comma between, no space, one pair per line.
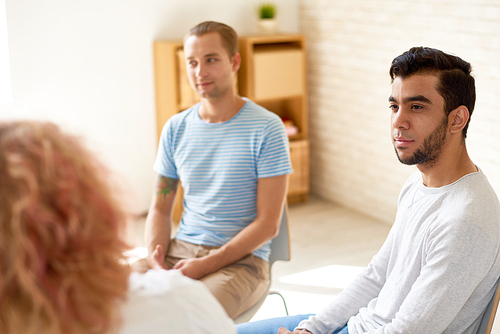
(280,245)
(489,314)
(280,250)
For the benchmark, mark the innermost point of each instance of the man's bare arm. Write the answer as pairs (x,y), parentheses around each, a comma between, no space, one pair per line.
(157,230)
(271,194)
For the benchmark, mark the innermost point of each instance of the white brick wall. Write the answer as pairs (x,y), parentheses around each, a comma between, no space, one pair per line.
(351,44)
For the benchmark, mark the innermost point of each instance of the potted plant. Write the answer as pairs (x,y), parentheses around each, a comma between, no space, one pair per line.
(267,18)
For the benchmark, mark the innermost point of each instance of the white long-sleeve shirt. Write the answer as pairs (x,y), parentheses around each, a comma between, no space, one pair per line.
(165,301)
(435,272)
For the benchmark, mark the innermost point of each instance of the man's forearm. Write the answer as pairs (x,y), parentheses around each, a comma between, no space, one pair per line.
(157,231)
(248,240)
(241,245)
(270,200)
(271,194)
(262,229)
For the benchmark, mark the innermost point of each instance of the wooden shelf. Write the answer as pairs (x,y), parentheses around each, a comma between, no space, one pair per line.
(273,74)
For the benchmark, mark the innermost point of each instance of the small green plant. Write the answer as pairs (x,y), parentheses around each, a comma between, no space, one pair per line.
(267,10)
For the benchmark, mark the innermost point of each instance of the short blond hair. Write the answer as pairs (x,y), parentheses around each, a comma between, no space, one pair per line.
(227,34)
(62,268)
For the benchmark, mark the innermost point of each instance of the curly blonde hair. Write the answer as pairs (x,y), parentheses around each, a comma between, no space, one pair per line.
(62,268)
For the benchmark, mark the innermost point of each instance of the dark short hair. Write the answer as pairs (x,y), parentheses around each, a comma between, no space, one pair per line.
(227,34)
(455,82)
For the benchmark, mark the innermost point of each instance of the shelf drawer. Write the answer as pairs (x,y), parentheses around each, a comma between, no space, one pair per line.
(279,73)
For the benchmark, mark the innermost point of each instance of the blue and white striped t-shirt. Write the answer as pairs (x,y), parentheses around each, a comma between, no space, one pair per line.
(219,165)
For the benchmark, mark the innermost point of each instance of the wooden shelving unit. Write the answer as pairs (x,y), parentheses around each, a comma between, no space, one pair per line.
(273,73)
(173,92)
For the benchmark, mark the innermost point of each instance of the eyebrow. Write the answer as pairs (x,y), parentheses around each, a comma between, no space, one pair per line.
(416,98)
(208,55)
(211,55)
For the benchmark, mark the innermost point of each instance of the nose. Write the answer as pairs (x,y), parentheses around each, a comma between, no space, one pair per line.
(399,120)
(200,70)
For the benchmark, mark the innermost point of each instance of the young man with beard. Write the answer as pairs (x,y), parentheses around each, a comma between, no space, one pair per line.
(232,157)
(436,271)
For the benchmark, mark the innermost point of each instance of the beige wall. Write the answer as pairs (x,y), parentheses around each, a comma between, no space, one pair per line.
(351,46)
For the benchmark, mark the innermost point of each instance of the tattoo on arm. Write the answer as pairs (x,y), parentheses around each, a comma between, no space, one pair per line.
(165,186)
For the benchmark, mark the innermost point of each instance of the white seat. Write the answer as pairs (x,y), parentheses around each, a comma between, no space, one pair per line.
(280,250)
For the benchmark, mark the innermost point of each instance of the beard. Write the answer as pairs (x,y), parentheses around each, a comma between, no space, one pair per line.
(219,90)
(431,149)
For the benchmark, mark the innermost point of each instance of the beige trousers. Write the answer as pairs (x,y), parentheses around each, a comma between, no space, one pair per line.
(237,286)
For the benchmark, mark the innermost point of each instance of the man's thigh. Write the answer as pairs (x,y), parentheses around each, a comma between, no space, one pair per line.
(178,250)
(240,285)
(271,326)
(237,286)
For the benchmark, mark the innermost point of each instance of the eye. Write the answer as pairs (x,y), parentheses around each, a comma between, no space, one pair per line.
(211,60)
(394,107)
(416,107)
(191,63)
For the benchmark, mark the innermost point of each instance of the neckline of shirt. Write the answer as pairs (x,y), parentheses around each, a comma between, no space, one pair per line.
(198,118)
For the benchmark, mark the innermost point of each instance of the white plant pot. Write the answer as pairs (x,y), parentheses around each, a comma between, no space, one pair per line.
(267,26)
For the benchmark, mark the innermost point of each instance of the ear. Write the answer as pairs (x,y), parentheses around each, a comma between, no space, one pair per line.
(236,60)
(458,119)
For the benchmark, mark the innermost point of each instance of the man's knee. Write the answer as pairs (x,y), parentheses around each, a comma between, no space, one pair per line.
(239,286)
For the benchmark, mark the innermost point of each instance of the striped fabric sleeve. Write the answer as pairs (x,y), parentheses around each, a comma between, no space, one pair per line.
(164,163)
(274,152)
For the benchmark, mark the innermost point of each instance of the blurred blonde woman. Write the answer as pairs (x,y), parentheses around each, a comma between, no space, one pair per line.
(62,268)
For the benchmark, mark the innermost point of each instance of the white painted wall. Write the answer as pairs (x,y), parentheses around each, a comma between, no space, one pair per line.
(88,66)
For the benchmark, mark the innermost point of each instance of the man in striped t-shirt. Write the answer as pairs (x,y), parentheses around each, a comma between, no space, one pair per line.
(232,157)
